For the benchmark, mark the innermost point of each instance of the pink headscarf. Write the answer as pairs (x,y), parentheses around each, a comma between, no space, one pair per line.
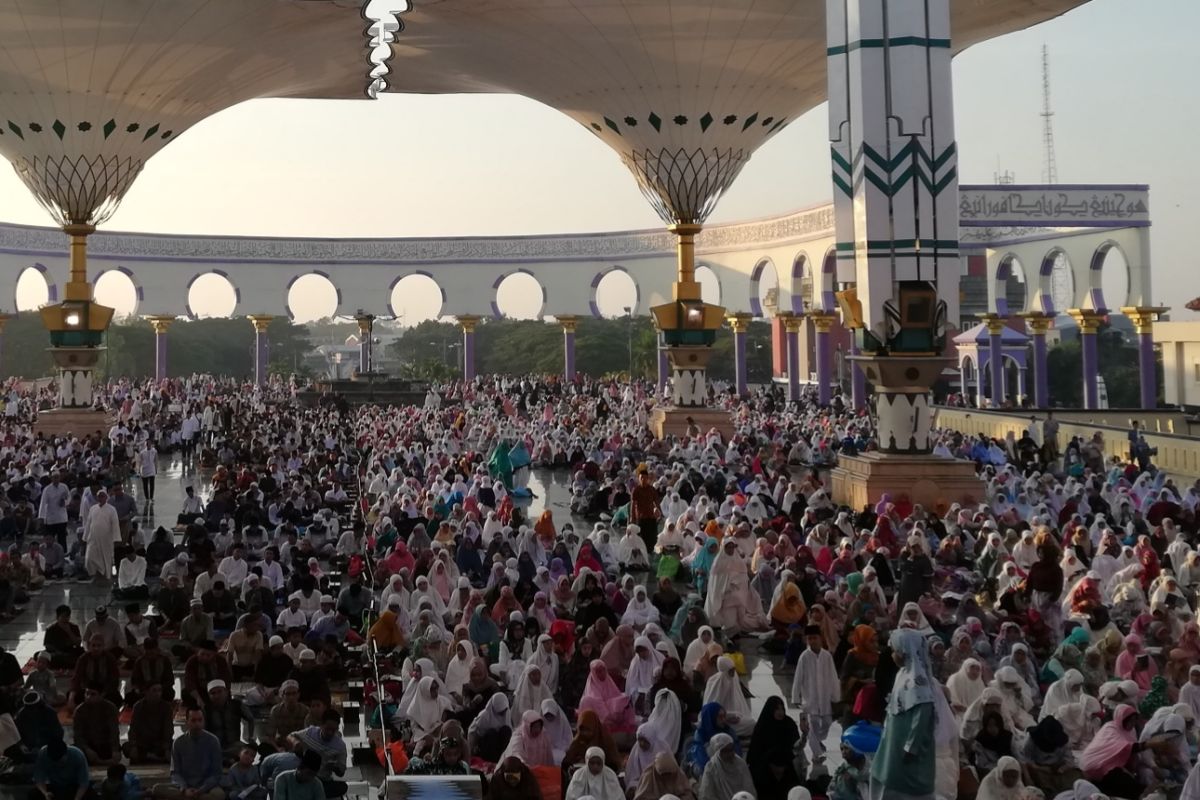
(1111,746)
(1127,664)
(601,695)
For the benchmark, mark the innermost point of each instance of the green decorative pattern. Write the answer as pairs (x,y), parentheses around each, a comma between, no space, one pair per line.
(896,41)
(912,162)
(60,128)
(705,121)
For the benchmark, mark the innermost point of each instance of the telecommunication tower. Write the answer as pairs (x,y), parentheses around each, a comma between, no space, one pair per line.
(1049,165)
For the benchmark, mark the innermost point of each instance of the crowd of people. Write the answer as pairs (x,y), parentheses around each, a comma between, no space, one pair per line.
(383,567)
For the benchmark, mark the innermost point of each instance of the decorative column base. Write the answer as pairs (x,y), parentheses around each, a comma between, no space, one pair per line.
(76,371)
(904,465)
(262,347)
(689,394)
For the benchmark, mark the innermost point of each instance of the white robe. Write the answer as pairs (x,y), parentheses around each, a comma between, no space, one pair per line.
(815,684)
(102,529)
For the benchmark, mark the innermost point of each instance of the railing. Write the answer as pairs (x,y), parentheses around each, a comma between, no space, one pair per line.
(1178,454)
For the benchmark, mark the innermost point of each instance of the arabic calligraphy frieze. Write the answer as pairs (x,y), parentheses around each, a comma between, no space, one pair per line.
(1054,206)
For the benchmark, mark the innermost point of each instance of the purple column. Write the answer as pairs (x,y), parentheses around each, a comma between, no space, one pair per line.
(996,363)
(468,354)
(160,354)
(262,353)
(1091,366)
(858,380)
(664,366)
(1041,381)
(569,352)
(1147,372)
(738,324)
(824,348)
(793,360)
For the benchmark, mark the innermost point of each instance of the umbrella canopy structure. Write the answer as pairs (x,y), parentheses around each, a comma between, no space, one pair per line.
(683,91)
(90,90)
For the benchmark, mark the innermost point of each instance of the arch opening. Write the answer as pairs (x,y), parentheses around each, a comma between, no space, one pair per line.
(1058,281)
(1114,275)
(615,295)
(312,297)
(415,299)
(1011,286)
(211,294)
(115,289)
(33,290)
(710,284)
(764,287)
(519,295)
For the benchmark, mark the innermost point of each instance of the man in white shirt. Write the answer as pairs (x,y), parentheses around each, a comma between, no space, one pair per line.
(147,467)
(292,616)
(52,510)
(235,568)
(326,609)
(131,577)
(189,429)
(272,571)
(192,507)
(101,530)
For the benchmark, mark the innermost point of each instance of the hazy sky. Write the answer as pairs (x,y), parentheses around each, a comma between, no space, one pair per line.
(1126,110)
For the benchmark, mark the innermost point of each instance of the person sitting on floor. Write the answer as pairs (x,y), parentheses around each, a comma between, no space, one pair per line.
(96,728)
(151,728)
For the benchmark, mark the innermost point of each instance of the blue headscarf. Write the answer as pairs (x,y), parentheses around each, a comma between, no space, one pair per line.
(708,728)
(704,561)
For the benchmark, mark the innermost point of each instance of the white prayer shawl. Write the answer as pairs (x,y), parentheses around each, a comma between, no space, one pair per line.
(697,648)
(604,786)
(458,671)
(424,591)
(666,718)
(963,690)
(1189,693)
(815,684)
(725,689)
(423,668)
(992,786)
(527,696)
(546,662)
(631,549)
(642,758)
(640,612)
(1067,689)
(729,589)
(424,710)
(640,678)
(557,728)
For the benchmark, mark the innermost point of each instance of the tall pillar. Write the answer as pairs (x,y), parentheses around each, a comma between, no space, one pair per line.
(664,366)
(895,175)
(1039,325)
(739,323)
(468,323)
(4,318)
(792,323)
(858,380)
(262,346)
(569,323)
(995,329)
(366,335)
(1143,319)
(1089,323)
(822,325)
(161,324)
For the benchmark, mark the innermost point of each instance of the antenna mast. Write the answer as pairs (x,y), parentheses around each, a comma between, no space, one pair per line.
(1049,165)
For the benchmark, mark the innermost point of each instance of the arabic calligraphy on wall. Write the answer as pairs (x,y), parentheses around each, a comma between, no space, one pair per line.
(1055,206)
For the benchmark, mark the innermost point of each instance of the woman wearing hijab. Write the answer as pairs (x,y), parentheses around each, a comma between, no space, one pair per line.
(640,612)
(531,690)
(489,733)
(512,780)
(712,722)
(858,667)
(610,704)
(528,742)
(725,689)
(697,648)
(484,634)
(595,779)
(665,779)
(574,675)
(458,671)
(1107,759)
(1002,783)
(386,632)
(726,773)
(1047,758)
(774,731)
(556,727)
(904,762)
(589,733)
(428,707)
(618,653)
